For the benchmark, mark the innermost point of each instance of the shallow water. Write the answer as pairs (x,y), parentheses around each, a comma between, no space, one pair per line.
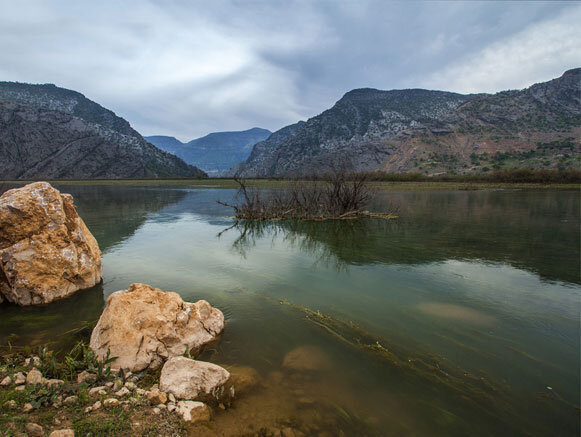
(476,294)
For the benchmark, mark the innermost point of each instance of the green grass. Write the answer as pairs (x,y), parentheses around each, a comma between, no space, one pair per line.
(117,423)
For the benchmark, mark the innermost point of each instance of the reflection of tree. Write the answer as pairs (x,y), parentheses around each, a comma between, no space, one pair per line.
(332,243)
(531,230)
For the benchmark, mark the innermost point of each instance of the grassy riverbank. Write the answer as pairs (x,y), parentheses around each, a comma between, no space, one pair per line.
(76,392)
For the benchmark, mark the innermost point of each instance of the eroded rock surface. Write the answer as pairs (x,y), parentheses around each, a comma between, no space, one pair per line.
(46,251)
(190,379)
(143,326)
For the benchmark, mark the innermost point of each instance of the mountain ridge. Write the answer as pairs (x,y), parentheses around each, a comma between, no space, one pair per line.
(52,132)
(432,132)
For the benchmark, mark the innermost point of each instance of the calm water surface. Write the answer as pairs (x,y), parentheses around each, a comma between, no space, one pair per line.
(475,296)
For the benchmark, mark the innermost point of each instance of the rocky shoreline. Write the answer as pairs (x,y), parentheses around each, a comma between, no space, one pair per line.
(137,374)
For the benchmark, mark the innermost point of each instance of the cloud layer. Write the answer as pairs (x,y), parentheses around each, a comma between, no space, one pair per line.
(186,68)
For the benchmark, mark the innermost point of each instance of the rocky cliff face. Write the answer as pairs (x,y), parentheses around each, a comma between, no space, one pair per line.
(51,132)
(432,132)
(215,153)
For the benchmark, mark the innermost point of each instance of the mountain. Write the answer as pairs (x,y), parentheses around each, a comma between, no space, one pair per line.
(54,133)
(432,132)
(215,153)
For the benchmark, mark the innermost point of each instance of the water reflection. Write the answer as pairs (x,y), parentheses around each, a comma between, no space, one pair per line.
(535,231)
(50,324)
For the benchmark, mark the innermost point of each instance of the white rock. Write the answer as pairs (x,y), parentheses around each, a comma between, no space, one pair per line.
(19,378)
(187,379)
(143,326)
(193,412)
(62,433)
(123,392)
(34,377)
(52,382)
(6,381)
(98,391)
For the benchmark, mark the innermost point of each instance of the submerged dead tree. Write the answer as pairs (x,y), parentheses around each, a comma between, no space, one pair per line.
(337,195)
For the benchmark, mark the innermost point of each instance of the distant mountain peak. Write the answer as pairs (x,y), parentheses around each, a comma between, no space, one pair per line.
(215,152)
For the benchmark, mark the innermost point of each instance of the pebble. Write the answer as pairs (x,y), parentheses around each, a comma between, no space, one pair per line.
(157,397)
(97,405)
(88,410)
(140,391)
(27,407)
(10,404)
(130,385)
(171,408)
(71,400)
(51,382)
(111,402)
(19,378)
(32,361)
(161,407)
(62,433)
(109,384)
(98,391)
(6,381)
(85,376)
(34,429)
(156,411)
(171,398)
(123,392)
(20,388)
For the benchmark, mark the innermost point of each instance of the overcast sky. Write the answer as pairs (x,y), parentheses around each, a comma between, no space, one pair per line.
(186,68)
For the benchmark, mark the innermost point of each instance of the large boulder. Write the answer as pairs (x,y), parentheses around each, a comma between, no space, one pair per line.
(46,251)
(190,379)
(143,326)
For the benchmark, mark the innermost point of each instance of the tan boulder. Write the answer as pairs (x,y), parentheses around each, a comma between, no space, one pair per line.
(190,379)
(46,251)
(143,326)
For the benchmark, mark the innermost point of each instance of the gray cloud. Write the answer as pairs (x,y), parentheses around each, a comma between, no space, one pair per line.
(187,68)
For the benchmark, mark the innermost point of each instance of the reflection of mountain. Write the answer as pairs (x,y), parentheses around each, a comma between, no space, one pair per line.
(518,228)
(114,213)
